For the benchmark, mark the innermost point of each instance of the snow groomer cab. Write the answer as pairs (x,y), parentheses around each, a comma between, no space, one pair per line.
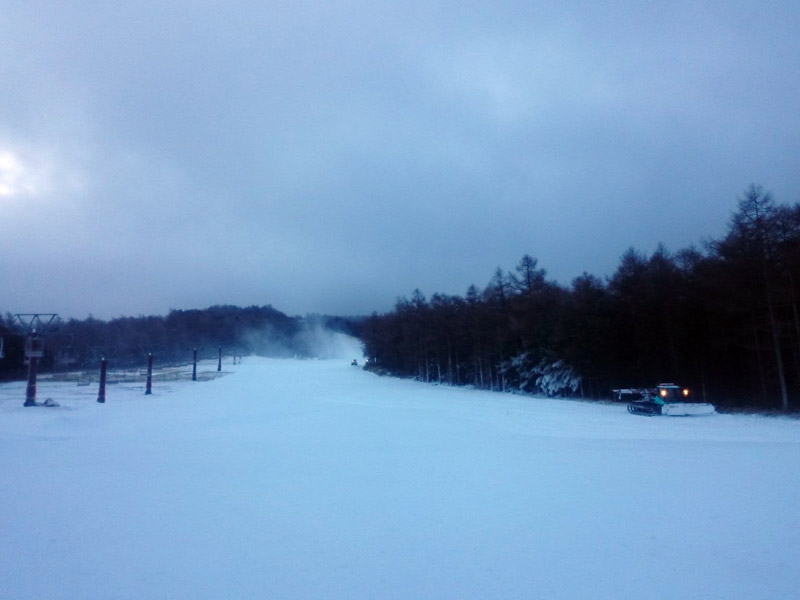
(670,400)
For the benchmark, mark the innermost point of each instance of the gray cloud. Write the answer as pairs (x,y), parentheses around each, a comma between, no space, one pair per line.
(330,157)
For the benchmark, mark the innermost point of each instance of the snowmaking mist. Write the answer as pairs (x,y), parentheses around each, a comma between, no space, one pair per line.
(321,342)
(311,339)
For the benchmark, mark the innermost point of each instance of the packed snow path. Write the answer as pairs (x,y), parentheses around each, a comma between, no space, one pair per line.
(313,479)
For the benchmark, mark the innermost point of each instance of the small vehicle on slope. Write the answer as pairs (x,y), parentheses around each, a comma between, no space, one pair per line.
(666,399)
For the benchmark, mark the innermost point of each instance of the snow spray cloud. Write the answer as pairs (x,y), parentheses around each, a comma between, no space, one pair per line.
(309,337)
(269,341)
(322,342)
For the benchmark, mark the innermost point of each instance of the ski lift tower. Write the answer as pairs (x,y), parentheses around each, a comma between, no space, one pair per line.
(36,325)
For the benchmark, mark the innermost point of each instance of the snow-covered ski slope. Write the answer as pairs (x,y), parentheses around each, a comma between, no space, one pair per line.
(291,479)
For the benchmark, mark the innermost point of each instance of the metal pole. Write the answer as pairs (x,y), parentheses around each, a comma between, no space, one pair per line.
(194,366)
(30,392)
(219,360)
(149,389)
(101,393)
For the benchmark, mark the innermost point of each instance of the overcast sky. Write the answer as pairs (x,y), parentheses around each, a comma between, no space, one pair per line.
(332,156)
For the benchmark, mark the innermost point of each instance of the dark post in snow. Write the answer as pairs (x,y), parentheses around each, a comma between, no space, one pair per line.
(101,393)
(219,359)
(30,391)
(149,388)
(34,351)
(37,324)
(194,366)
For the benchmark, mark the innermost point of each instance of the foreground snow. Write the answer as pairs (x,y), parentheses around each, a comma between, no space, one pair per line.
(313,479)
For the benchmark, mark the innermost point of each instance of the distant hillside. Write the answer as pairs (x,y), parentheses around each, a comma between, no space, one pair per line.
(126,341)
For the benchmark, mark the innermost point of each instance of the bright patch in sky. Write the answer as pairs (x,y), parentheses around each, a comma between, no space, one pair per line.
(9,173)
(15,178)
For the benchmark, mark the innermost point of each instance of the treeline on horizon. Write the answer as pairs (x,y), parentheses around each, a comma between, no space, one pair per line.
(723,320)
(126,341)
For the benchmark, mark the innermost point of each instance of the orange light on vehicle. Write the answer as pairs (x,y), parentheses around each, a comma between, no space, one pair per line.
(685,391)
(663,393)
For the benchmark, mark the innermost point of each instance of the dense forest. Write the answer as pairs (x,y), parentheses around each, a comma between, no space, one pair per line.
(723,320)
(126,341)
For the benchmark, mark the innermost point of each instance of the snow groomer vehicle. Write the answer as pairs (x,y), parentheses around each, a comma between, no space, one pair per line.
(665,399)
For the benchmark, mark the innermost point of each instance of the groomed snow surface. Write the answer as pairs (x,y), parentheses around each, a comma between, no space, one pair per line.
(314,479)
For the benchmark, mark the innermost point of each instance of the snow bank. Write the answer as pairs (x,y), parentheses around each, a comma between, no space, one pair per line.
(314,479)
